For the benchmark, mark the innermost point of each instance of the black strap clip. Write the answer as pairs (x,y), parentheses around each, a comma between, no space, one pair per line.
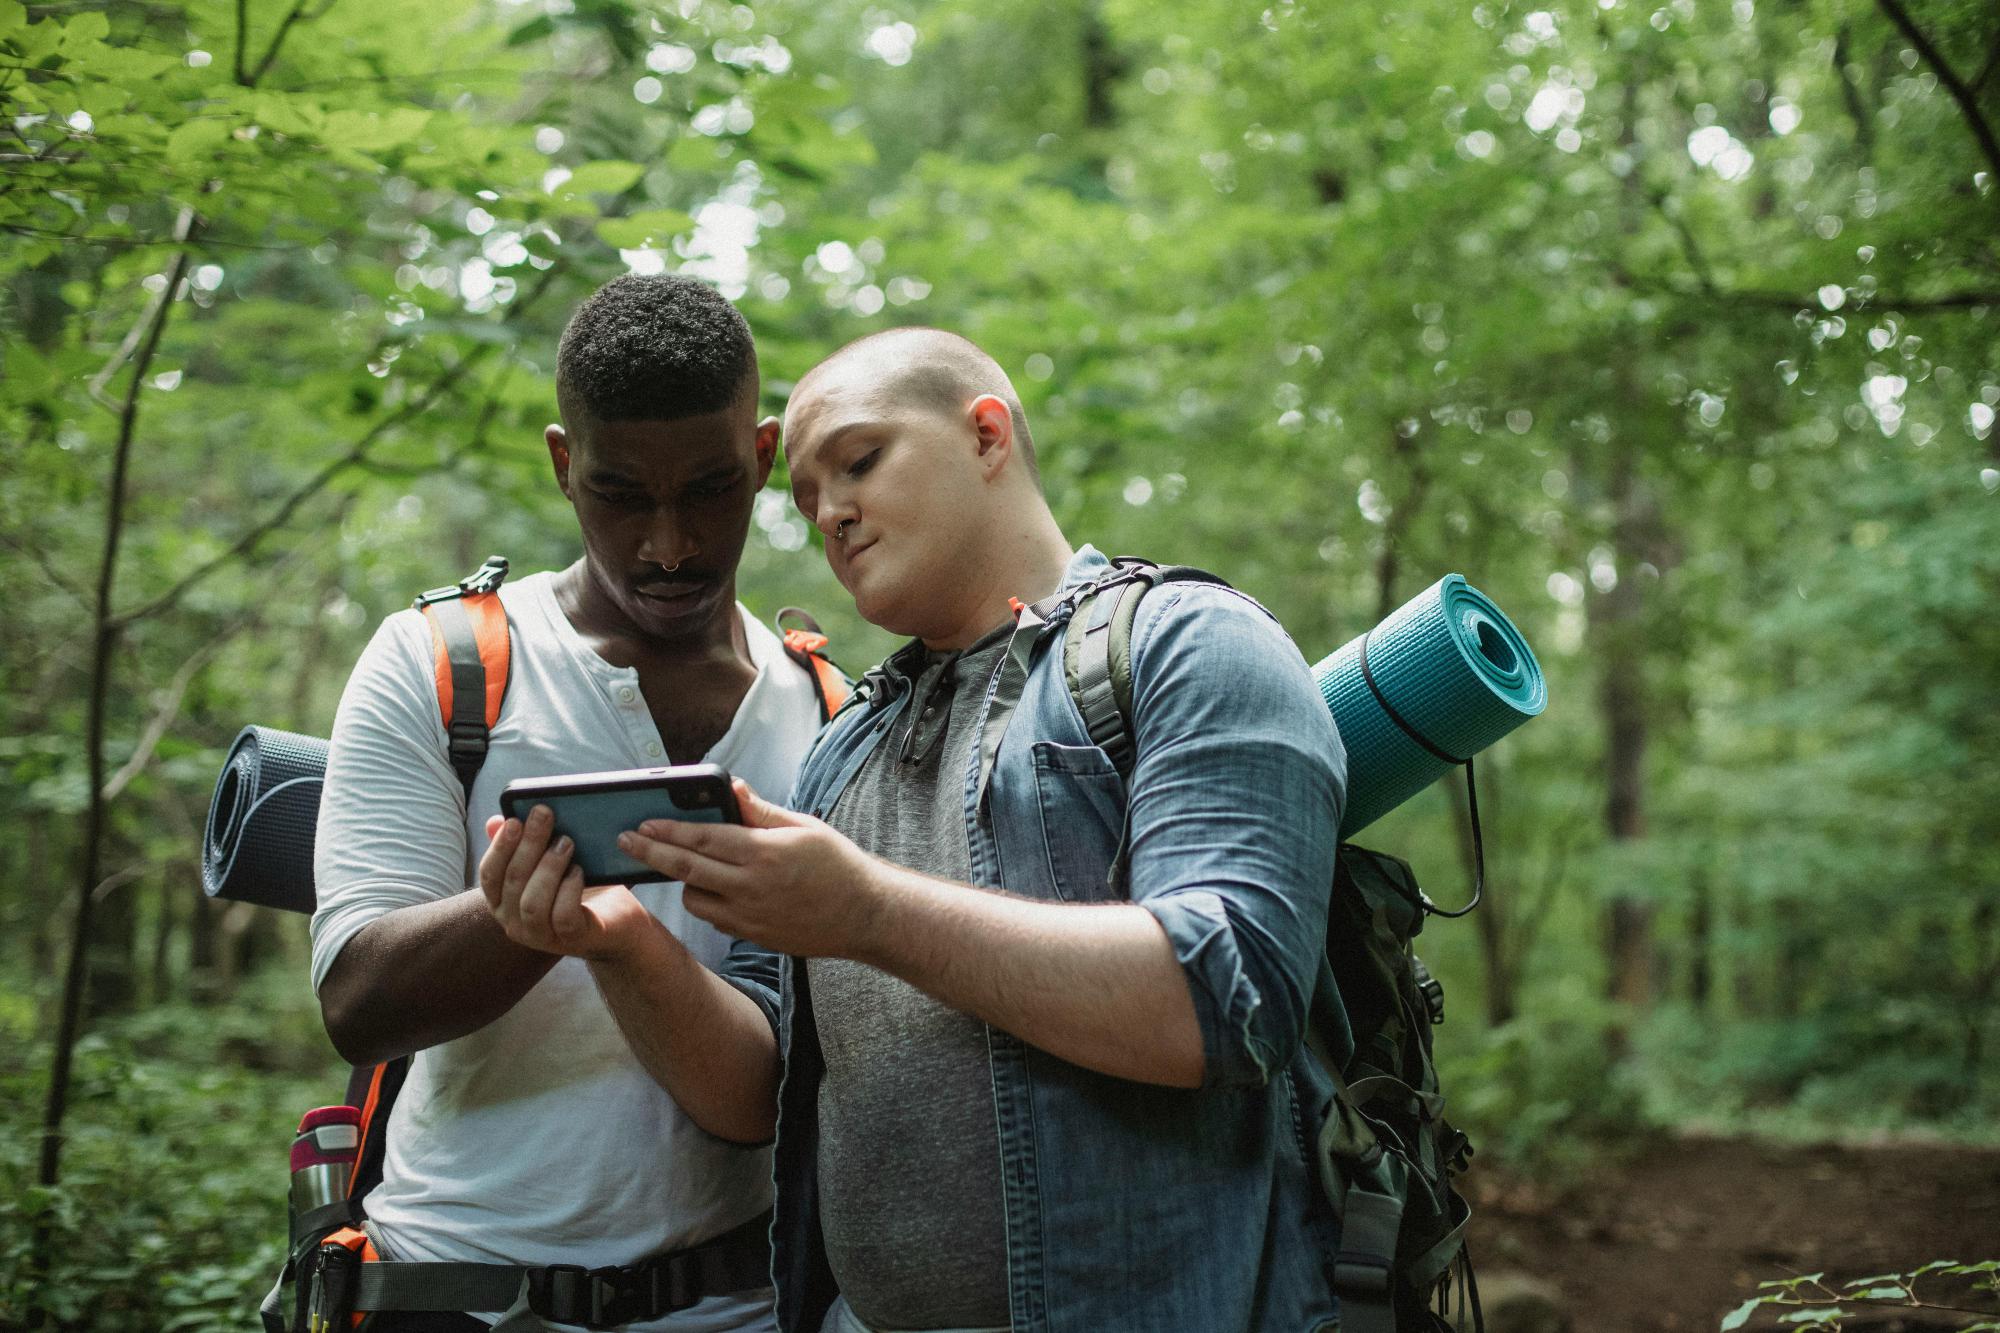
(608,1297)
(467,744)
(487,578)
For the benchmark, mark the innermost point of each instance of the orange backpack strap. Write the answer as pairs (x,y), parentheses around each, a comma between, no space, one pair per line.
(473,655)
(806,645)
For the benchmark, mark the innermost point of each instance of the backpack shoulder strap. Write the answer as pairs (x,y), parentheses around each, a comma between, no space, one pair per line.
(473,653)
(372,1088)
(1097,651)
(805,644)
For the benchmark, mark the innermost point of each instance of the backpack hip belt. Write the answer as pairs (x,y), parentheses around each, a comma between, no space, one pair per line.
(343,1279)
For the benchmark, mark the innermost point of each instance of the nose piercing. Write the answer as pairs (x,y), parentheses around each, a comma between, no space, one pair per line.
(667,567)
(840,529)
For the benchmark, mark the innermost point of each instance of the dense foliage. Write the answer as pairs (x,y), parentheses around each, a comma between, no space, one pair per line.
(1676,329)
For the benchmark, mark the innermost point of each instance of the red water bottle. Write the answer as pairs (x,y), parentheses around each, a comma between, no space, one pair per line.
(323,1156)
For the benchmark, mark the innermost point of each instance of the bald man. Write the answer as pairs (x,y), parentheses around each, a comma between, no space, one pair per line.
(1019,1091)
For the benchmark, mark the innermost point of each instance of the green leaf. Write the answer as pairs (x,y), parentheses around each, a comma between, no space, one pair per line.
(1886,1293)
(654,227)
(607,177)
(371,132)
(1740,1316)
(532,31)
(1823,1315)
(13,16)
(196,139)
(87,27)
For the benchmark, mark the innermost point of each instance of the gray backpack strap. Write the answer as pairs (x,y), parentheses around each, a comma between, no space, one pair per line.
(1097,665)
(1097,662)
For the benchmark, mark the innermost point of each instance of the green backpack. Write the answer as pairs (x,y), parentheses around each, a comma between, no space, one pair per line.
(1387,1158)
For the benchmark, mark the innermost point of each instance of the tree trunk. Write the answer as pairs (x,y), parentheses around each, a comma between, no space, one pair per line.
(104,643)
(1701,931)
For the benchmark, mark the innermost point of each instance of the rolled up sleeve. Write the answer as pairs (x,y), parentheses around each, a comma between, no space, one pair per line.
(1235,805)
(759,974)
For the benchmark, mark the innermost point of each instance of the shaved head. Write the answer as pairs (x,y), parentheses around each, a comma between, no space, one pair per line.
(922,367)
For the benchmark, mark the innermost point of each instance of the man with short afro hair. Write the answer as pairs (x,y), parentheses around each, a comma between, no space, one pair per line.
(653,347)
(528,1133)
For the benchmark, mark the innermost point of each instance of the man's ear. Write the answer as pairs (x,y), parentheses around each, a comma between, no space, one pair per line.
(769,431)
(993,424)
(558,441)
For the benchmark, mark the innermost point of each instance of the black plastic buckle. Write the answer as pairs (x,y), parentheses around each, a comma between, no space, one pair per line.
(468,742)
(1431,988)
(487,578)
(604,1298)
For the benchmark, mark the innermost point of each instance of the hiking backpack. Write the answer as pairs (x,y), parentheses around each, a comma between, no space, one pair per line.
(1385,1155)
(472,647)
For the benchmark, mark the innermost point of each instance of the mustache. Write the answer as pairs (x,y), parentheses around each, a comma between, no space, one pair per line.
(678,579)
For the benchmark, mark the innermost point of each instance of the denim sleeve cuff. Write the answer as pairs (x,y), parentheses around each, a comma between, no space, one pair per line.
(756,973)
(1226,1000)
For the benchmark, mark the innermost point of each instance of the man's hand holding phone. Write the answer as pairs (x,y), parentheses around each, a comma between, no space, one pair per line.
(552,894)
(538,896)
(785,880)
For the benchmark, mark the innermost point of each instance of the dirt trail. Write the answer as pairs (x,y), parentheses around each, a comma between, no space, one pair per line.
(1676,1238)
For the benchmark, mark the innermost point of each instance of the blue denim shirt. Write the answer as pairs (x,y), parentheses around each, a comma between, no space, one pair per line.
(1132,1207)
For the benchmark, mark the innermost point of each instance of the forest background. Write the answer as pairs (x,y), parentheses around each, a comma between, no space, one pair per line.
(1676,329)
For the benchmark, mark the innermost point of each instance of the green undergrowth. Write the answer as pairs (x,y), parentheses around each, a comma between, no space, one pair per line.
(169,1216)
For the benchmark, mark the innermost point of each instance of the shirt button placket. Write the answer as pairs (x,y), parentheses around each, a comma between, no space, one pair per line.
(641,721)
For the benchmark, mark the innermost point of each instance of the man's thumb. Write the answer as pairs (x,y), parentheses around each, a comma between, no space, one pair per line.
(760,813)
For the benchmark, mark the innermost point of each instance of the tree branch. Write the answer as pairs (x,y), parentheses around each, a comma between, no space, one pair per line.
(242,40)
(356,454)
(1857,110)
(183,228)
(1796,301)
(1968,103)
(297,12)
(176,689)
(41,558)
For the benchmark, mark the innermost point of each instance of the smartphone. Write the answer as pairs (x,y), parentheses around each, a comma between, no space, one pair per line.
(594,808)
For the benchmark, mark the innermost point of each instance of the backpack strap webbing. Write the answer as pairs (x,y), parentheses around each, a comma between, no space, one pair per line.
(1097,651)
(373,1088)
(806,644)
(473,657)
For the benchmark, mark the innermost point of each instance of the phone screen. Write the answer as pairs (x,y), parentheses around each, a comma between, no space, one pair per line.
(594,819)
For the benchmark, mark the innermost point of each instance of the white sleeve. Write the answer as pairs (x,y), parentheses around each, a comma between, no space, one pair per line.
(392,827)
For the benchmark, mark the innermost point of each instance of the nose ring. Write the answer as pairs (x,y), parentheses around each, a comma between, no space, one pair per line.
(840,529)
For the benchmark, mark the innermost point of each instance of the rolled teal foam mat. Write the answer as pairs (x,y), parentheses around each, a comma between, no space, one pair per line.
(1456,671)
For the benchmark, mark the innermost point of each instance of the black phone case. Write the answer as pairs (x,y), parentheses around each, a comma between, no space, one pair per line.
(593,809)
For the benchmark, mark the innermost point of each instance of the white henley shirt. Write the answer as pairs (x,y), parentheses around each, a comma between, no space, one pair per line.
(539,1138)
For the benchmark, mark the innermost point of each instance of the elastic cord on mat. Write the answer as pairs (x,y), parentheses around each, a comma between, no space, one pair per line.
(1478,855)
(243,827)
(1368,677)
(1471,790)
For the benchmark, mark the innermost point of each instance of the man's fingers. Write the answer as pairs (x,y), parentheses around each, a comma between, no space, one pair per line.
(493,865)
(710,907)
(730,844)
(677,862)
(760,813)
(538,894)
(566,916)
(528,851)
